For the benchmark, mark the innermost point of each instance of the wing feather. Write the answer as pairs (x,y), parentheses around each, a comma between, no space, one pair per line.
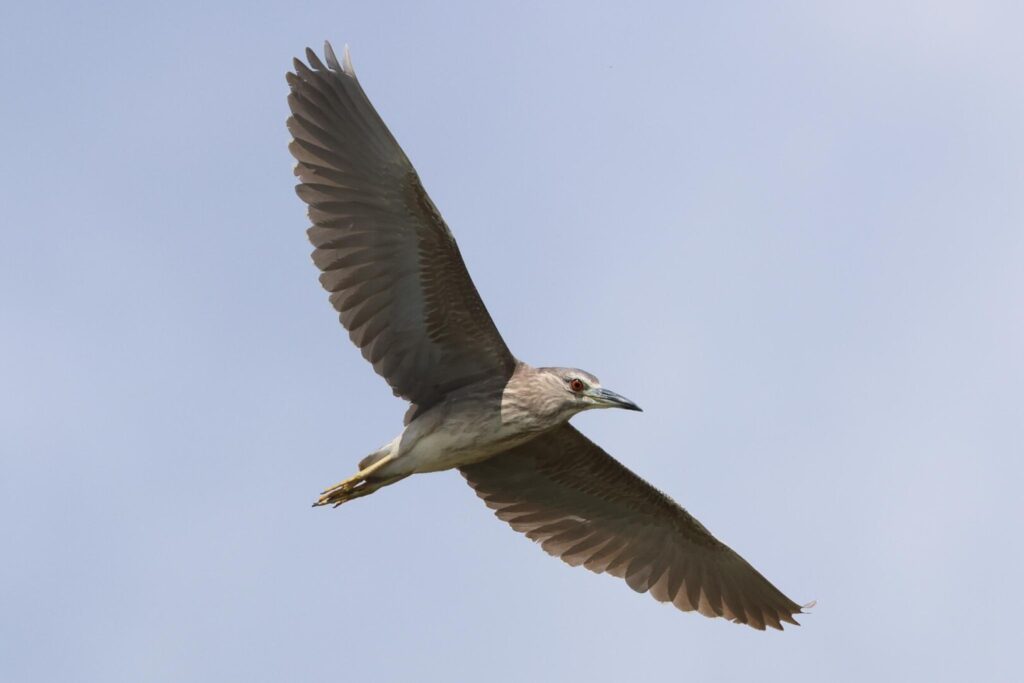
(585,507)
(391,265)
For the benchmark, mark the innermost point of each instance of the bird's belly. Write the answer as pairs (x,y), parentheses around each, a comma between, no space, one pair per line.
(444,449)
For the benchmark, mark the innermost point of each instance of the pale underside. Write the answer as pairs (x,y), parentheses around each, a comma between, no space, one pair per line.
(399,284)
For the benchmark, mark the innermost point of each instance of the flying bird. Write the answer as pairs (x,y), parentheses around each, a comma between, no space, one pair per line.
(398,281)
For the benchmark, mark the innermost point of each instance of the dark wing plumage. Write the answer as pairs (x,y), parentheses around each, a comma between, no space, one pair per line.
(389,261)
(585,507)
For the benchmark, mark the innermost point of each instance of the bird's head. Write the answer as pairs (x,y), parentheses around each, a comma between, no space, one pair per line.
(576,390)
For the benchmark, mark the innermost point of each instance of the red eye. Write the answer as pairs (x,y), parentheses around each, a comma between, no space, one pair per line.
(576,385)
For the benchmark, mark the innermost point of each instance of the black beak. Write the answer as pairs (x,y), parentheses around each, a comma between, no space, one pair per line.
(609,399)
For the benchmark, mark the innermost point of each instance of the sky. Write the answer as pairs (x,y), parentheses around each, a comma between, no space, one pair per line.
(793,233)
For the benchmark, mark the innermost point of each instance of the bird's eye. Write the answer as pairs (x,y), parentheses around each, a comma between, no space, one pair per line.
(576,384)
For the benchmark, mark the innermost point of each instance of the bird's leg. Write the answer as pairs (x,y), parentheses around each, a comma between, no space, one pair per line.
(343,490)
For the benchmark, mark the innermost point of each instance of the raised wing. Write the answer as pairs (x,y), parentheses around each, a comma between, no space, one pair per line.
(585,507)
(389,261)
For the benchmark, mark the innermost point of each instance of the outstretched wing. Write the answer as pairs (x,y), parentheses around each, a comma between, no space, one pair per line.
(389,261)
(585,507)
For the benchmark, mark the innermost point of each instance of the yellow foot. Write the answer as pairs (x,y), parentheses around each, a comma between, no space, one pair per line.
(336,496)
(356,486)
(342,486)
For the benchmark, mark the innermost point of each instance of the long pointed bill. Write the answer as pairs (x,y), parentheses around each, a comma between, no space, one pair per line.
(609,399)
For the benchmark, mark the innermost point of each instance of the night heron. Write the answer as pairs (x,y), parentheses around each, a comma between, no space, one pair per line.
(397,279)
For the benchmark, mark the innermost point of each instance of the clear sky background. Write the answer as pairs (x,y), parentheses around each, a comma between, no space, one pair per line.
(794,235)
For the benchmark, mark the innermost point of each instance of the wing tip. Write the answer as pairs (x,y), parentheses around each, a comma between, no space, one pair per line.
(789,616)
(314,61)
(345,65)
(332,59)
(347,57)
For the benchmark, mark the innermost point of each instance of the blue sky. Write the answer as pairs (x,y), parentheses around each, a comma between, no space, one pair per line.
(808,225)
